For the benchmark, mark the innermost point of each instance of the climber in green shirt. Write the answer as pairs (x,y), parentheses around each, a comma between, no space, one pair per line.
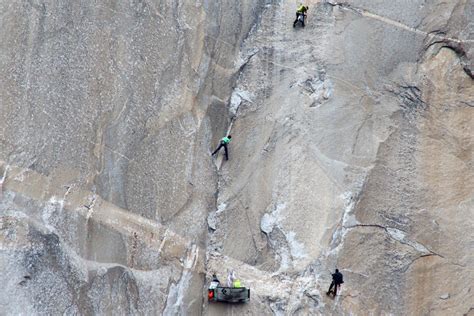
(223,143)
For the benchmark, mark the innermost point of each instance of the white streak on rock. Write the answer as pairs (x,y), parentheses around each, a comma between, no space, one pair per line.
(174,302)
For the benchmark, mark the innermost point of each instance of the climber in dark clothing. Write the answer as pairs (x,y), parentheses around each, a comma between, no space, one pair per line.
(336,282)
(224,142)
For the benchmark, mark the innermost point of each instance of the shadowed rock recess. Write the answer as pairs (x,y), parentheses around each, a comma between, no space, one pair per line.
(352,147)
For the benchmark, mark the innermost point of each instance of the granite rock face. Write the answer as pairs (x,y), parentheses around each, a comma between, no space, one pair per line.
(352,148)
(108,112)
(354,151)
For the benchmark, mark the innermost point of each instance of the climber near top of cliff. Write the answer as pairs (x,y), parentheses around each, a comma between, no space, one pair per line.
(337,280)
(300,14)
(224,142)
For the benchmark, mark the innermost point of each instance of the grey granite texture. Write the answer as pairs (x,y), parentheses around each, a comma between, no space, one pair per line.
(352,148)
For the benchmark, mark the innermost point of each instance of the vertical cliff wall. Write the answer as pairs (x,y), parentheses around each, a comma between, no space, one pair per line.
(352,148)
(108,111)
